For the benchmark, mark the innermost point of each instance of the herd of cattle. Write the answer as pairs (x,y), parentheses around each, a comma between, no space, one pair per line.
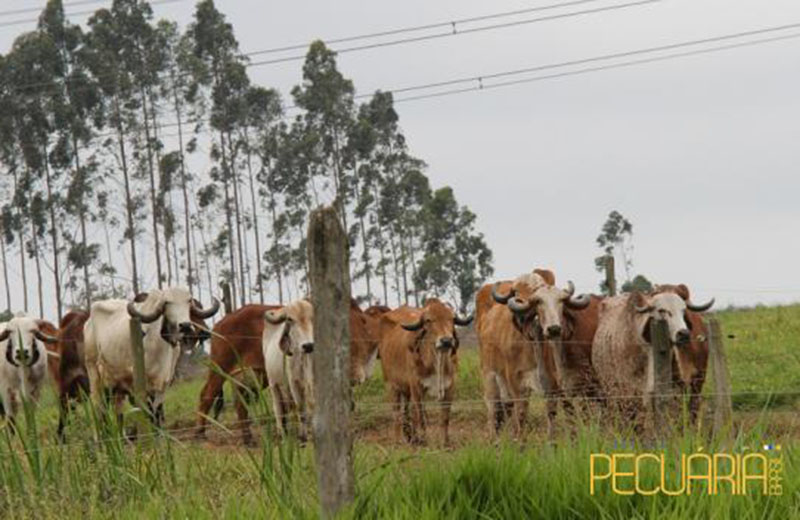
(533,336)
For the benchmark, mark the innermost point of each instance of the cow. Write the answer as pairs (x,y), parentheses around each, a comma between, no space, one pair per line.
(288,343)
(533,335)
(167,326)
(622,350)
(237,353)
(691,361)
(23,364)
(67,368)
(419,356)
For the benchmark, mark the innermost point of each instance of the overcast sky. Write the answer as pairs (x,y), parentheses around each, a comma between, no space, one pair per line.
(700,153)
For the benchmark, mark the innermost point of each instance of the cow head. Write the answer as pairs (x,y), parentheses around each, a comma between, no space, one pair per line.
(176,309)
(295,324)
(669,305)
(19,341)
(538,304)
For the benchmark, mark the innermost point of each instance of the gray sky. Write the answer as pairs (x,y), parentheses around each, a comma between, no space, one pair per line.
(700,153)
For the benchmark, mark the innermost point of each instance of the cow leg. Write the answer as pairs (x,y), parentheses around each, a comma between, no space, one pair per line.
(63,410)
(446,405)
(418,416)
(695,398)
(210,395)
(400,407)
(278,408)
(518,396)
(242,414)
(495,407)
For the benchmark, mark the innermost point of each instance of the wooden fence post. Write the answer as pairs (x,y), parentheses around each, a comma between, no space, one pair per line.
(137,351)
(330,294)
(660,399)
(227,301)
(611,280)
(723,406)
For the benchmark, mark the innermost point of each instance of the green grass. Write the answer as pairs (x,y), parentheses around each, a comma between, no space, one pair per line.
(164,477)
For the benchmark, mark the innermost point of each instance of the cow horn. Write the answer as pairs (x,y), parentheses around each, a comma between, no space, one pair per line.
(203,314)
(519,305)
(5,334)
(700,308)
(580,302)
(275,317)
(145,318)
(570,290)
(41,336)
(462,322)
(500,298)
(412,327)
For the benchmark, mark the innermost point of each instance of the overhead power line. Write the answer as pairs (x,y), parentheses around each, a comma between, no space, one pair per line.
(452,25)
(433,36)
(78,13)
(455,32)
(480,80)
(12,12)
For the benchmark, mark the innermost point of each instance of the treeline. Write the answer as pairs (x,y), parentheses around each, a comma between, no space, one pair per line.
(135,155)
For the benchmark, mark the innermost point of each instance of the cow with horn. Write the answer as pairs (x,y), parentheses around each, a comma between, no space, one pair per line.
(168,327)
(418,350)
(622,349)
(534,335)
(23,364)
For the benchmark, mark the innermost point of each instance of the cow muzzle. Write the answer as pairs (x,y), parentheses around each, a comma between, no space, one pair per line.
(308,348)
(682,337)
(446,343)
(554,331)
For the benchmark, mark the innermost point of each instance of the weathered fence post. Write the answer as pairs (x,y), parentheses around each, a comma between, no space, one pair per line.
(660,400)
(330,294)
(723,406)
(227,301)
(611,280)
(137,351)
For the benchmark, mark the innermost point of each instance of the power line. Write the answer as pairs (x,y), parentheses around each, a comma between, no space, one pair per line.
(39,9)
(540,68)
(79,13)
(426,37)
(455,32)
(451,24)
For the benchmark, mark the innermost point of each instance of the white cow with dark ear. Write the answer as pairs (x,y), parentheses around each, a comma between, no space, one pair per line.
(23,364)
(288,343)
(166,318)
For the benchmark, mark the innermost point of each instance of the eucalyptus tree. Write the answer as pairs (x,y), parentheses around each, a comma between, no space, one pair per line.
(220,70)
(327,98)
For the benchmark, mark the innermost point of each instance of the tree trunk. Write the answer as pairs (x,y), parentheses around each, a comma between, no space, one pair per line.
(184,188)
(38,264)
(5,265)
(128,196)
(259,277)
(53,235)
(275,242)
(82,217)
(228,217)
(21,237)
(365,255)
(238,214)
(153,201)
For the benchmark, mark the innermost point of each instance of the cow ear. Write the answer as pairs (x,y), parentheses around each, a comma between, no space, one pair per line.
(569,324)
(646,331)
(683,292)
(547,275)
(687,320)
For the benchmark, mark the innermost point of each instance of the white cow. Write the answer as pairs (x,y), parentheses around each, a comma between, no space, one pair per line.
(23,365)
(288,343)
(166,317)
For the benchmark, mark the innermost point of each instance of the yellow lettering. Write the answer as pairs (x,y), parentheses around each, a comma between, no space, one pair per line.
(592,467)
(681,478)
(616,473)
(747,476)
(719,476)
(690,471)
(638,471)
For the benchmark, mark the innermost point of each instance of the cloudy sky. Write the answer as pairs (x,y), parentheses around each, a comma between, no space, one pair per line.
(701,153)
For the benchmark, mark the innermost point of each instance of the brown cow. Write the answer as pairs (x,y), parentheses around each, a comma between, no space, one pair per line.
(533,335)
(621,352)
(419,356)
(66,367)
(691,361)
(236,352)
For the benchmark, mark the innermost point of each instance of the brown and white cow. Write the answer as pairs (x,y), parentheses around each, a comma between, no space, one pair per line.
(23,363)
(419,356)
(622,350)
(167,322)
(534,336)
(66,366)
(236,353)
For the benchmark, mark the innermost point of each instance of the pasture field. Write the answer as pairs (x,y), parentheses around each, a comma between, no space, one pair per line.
(96,474)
